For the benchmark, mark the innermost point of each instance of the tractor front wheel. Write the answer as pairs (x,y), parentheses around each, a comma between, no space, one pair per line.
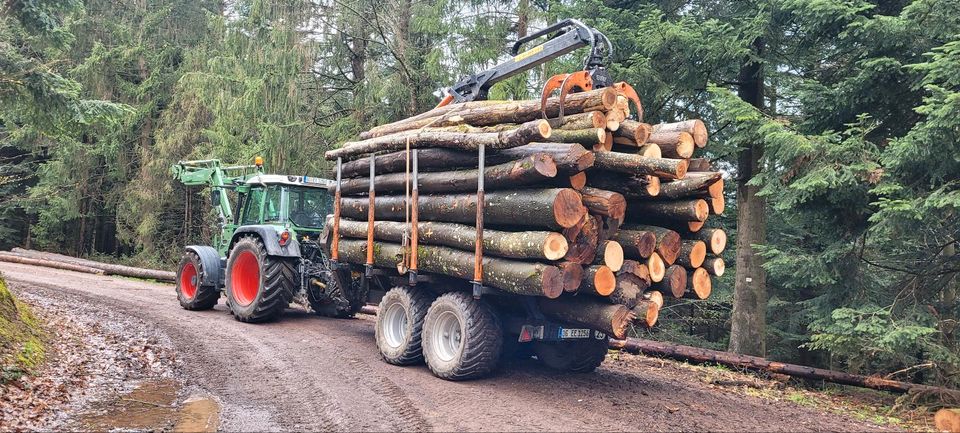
(259,287)
(191,294)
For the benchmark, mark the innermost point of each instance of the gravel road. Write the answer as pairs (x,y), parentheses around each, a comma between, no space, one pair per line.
(311,373)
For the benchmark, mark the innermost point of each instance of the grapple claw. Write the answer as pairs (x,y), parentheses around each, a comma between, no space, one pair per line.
(627,90)
(445,101)
(576,82)
(552,83)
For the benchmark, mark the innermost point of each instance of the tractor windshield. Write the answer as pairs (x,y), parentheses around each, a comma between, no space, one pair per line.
(308,206)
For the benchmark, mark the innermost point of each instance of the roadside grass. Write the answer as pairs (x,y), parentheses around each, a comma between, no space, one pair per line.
(21,337)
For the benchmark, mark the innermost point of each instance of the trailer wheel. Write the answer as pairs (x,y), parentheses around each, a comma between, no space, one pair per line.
(190,293)
(462,337)
(580,356)
(399,328)
(259,287)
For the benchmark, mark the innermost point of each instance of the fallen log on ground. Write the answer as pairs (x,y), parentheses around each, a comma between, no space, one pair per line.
(13,258)
(108,268)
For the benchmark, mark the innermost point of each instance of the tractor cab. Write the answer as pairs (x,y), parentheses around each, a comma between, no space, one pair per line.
(298,203)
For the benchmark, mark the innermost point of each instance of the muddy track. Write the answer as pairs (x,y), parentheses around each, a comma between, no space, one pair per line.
(310,373)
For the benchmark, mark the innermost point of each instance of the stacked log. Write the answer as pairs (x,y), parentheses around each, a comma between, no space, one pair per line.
(597,213)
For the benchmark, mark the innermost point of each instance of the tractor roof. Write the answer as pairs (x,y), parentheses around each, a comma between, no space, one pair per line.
(290,180)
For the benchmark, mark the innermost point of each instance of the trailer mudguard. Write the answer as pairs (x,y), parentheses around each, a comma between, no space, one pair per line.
(212,265)
(271,240)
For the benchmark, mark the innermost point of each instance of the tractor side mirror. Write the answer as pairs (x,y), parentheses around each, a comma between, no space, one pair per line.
(215,197)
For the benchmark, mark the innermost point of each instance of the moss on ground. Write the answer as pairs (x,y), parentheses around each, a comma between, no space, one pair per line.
(21,337)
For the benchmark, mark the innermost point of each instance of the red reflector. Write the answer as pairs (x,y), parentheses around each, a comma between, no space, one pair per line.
(284,237)
(525,335)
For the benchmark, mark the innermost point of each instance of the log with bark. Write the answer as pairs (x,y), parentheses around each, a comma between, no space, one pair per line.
(676,210)
(629,186)
(549,208)
(657,268)
(586,137)
(627,292)
(675,144)
(572,275)
(590,119)
(13,258)
(714,266)
(609,253)
(522,278)
(108,268)
(638,270)
(527,171)
(641,165)
(638,244)
(667,242)
(536,245)
(537,130)
(692,253)
(583,240)
(699,165)
(632,133)
(597,280)
(699,285)
(571,158)
(692,185)
(715,238)
(605,203)
(647,312)
(655,297)
(674,282)
(589,312)
(397,162)
(695,127)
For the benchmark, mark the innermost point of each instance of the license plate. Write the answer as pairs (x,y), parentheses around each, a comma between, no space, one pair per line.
(574,333)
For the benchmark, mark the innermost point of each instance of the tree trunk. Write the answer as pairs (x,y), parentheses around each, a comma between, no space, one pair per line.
(692,253)
(571,158)
(586,137)
(527,171)
(12,258)
(521,278)
(698,284)
(637,244)
(679,210)
(572,276)
(536,130)
(632,133)
(674,282)
(536,245)
(427,160)
(667,242)
(482,114)
(748,318)
(549,208)
(673,144)
(597,280)
(605,203)
(693,185)
(714,266)
(589,312)
(696,129)
(609,253)
(640,165)
(108,268)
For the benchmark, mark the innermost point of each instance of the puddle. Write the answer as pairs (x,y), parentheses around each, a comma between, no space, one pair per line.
(151,406)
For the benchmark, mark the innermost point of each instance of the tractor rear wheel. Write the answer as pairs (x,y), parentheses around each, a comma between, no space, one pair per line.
(399,325)
(462,337)
(579,356)
(191,294)
(259,287)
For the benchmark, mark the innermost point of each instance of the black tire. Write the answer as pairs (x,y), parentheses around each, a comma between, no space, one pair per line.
(580,356)
(259,287)
(402,345)
(480,342)
(190,293)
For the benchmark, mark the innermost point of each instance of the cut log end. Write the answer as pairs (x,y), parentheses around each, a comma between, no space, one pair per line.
(578,181)
(715,266)
(655,297)
(612,255)
(947,420)
(647,244)
(682,168)
(543,127)
(604,281)
(621,322)
(676,280)
(552,282)
(572,275)
(609,98)
(568,209)
(651,150)
(700,284)
(656,267)
(698,252)
(695,226)
(555,247)
(545,165)
(653,186)
(699,133)
(647,312)
(717,205)
(586,161)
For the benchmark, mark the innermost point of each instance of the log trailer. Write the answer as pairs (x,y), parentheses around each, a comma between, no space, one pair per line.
(276,238)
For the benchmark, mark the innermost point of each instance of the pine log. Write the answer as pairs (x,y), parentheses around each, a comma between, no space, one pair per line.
(694,127)
(679,210)
(656,267)
(605,203)
(947,420)
(655,297)
(641,165)
(597,280)
(522,278)
(108,268)
(667,242)
(698,284)
(572,275)
(427,160)
(674,282)
(632,133)
(609,253)
(13,258)
(638,244)
(586,137)
(714,266)
(589,312)
(527,171)
(590,119)
(647,312)
(549,208)
(571,158)
(716,239)
(583,244)
(537,130)
(505,112)
(692,185)
(537,245)
(692,253)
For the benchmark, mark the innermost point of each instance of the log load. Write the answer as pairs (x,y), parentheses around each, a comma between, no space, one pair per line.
(698,284)
(397,162)
(549,208)
(638,244)
(537,130)
(695,127)
(527,171)
(534,245)
(715,238)
(641,165)
(598,280)
(692,253)
(674,282)
(714,266)
(606,203)
(522,278)
(570,158)
(609,253)
(589,312)
(667,242)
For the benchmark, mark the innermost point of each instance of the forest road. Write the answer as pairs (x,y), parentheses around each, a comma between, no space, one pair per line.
(310,373)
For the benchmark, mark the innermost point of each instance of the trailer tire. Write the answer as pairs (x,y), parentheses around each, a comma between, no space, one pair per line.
(259,287)
(191,294)
(462,337)
(581,356)
(399,328)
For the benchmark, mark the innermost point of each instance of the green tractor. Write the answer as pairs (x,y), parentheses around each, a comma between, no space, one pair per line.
(267,246)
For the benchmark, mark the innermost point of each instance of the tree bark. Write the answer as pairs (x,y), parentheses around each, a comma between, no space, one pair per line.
(589,312)
(679,210)
(536,130)
(692,253)
(12,258)
(637,244)
(674,282)
(521,278)
(597,280)
(673,144)
(667,242)
(536,245)
(693,185)
(590,119)
(586,137)
(627,292)
(695,127)
(748,318)
(638,270)
(609,253)
(714,266)
(549,208)
(571,158)
(698,284)
(641,165)
(632,133)
(527,171)
(605,203)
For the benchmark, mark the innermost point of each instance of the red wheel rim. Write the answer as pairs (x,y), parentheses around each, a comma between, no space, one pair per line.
(188,281)
(245,278)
